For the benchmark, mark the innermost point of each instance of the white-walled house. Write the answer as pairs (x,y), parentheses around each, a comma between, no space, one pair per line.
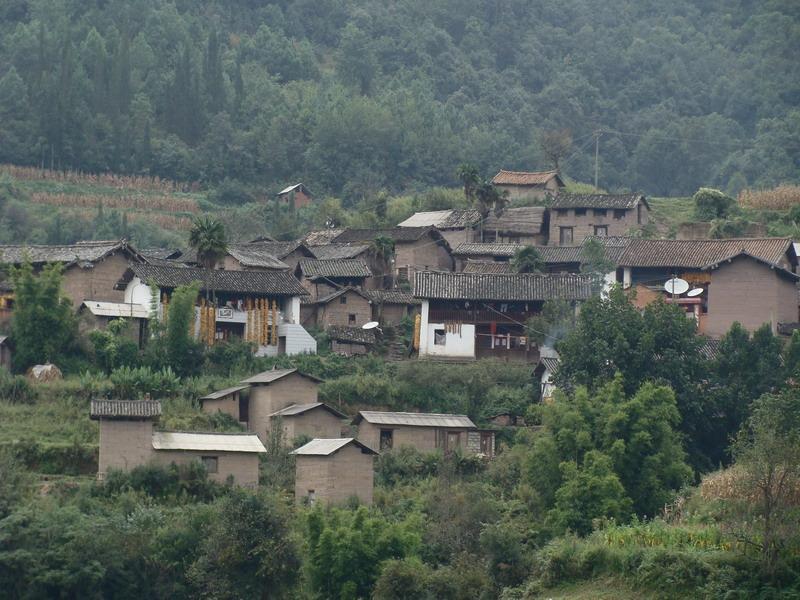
(465,316)
(262,307)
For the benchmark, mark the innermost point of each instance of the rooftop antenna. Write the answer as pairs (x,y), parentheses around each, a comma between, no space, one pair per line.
(372,325)
(676,286)
(695,292)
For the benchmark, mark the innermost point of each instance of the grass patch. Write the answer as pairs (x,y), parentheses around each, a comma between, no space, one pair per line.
(603,588)
(668,213)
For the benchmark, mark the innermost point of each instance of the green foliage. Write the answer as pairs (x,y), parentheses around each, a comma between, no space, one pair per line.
(15,482)
(43,325)
(595,263)
(207,237)
(16,389)
(552,323)
(182,352)
(135,383)
(113,347)
(177,483)
(710,204)
(527,260)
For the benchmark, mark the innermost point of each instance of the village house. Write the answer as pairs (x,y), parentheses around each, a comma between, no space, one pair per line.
(416,249)
(229,401)
(347,307)
(466,316)
(322,277)
(262,307)
(456,225)
(128,439)
(350,341)
(425,432)
(525,225)
(285,402)
(296,196)
(333,471)
(258,255)
(527,184)
(390,307)
(91,269)
(96,315)
(749,280)
(574,217)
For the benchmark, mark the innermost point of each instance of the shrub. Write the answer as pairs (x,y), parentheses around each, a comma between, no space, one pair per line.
(56,459)
(130,383)
(712,204)
(189,480)
(16,389)
(231,193)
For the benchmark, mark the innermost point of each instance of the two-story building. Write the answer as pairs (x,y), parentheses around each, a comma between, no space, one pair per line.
(465,316)
(457,225)
(528,184)
(524,225)
(574,217)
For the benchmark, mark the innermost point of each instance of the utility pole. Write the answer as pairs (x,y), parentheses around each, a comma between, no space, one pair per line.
(597,133)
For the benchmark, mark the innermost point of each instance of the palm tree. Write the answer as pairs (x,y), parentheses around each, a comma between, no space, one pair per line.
(383,247)
(527,260)
(470,178)
(207,238)
(488,198)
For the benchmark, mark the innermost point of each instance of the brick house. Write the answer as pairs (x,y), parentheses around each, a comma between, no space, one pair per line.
(528,184)
(258,255)
(389,307)
(229,401)
(333,471)
(296,196)
(525,225)
(424,431)
(574,217)
(750,280)
(350,341)
(346,307)
(465,316)
(416,249)
(128,439)
(322,277)
(457,225)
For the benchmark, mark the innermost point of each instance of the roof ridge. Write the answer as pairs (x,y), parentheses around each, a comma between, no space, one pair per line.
(206,432)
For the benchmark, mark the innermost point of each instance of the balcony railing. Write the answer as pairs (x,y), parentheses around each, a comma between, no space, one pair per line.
(477,316)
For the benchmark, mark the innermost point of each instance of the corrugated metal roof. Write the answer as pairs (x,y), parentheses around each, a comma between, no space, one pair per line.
(268,377)
(299,409)
(519,287)
(443,219)
(275,283)
(211,442)
(222,393)
(524,177)
(526,220)
(699,253)
(619,201)
(117,309)
(354,268)
(328,446)
(288,189)
(415,419)
(125,409)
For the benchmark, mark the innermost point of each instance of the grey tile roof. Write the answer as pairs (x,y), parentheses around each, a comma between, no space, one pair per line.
(526,220)
(487,266)
(255,255)
(486,249)
(210,442)
(533,178)
(300,409)
(321,236)
(224,392)
(161,253)
(415,419)
(619,201)
(267,377)
(353,268)
(328,446)
(453,218)
(338,251)
(125,409)
(273,283)
(779,270)
(398,234)
(351,335)
(391,297)
(700,253)
(82,252)
(339,292)
(519,287)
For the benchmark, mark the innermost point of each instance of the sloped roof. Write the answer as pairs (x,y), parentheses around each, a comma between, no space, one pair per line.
(161,253)
(328,446)
(131,410)
(391,297)
(320,237)
(338,251)
(486,249)
(779,270)
(212,442)
(255,255)
(525,177)
(487,266)
(351,335)
(300,409)
(398,234)
(116,309)
(82,252)
(619,201)
(453,218)
(292,188)
(700,253)
(524,220)
(224,392)
(354,268)
(274,283)
(339,292)
(709,349)
(519,287)
(550,363)
(415,419)
(267,377)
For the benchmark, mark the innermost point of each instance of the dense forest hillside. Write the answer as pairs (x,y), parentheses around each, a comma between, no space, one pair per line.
(355,96)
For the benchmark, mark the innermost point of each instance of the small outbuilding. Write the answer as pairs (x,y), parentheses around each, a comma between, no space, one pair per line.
(315,420)
(333,471)
(228,401)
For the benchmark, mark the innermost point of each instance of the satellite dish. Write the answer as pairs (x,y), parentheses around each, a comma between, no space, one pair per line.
(695,292)
(677,286)
(370,325)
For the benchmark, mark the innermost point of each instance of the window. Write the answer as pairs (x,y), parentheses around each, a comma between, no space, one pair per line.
(453,440)
(343,300)
(562,212)
(619,213)
(600,212)
(565,236)
(402,273)
(639,214)
(311,496)
(387,439)
(211,463)
(486,443)
(601,230)
(351,319)
(439,337)
(580,212)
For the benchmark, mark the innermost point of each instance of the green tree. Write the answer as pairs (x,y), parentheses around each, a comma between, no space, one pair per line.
(527,260)
(183,352)
(43,325)
(470,179)
(595,263)
(383,248)
(710,204)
